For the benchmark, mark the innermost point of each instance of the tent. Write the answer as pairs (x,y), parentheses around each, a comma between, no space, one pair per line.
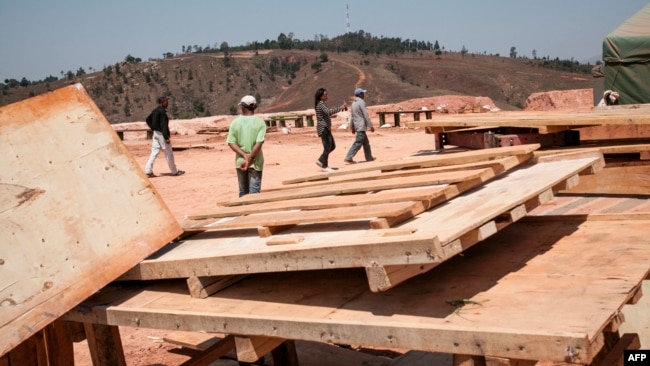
(626,56)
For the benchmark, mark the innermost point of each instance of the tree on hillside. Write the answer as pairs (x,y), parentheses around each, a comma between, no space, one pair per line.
(224,47)
(132,60)
(324,57)
(436,49)
(316,66)
(284,41)
(513,52)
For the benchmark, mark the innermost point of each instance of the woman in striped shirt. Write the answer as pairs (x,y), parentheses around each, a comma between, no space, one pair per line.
(324,127)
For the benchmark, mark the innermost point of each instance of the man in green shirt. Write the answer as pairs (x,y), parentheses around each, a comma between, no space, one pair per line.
(245,137)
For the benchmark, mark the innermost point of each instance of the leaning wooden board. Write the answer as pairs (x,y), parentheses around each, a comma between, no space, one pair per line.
(542,291)
(72,201)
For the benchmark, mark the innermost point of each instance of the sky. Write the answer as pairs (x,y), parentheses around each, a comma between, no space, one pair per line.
(39,38)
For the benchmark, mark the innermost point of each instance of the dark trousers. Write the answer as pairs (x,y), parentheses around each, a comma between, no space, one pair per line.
(328,146)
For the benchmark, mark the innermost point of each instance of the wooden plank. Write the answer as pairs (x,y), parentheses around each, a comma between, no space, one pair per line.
(543,289)
(523,186)
(607,148)
(212,353)
(590,207)
(382,278)
(193,340)
(429,196)
(105,345)
(251,349)
(425,161)
(285,354)
(58,344)
(393,213)
(319,353)
(419,358)
(29,352)
(266,231)
(498,166)
(459,224)
(374,205)
(240,254)
(423,194)
(539,119)
(64,215)
(370,186)
(285,240)
(626,179)
(203,287)
(615,356)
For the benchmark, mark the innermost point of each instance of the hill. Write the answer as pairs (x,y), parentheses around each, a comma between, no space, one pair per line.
(205,84)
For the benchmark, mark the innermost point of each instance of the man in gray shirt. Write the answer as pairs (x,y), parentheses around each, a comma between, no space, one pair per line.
(359,125)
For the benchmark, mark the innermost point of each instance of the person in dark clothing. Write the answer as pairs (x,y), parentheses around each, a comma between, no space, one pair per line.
(158,121)
(324,127)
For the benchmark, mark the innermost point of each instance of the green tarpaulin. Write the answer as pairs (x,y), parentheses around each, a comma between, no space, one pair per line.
(626,57)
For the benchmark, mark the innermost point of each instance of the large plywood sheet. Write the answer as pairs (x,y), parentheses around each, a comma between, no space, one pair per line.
(75,210)
(545,290)
(390,256)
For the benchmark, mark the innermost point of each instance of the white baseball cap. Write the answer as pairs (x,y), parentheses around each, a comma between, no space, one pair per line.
(248,101)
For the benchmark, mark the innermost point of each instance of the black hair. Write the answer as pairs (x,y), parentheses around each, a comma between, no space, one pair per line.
(318,95)
(160,99)
(249,107)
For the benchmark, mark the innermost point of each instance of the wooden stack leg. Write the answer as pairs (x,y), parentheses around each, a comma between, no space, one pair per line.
(52,346)
(105,345)
(58,344)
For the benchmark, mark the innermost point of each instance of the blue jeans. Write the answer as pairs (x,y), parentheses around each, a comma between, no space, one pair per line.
(250,181)
(361,139)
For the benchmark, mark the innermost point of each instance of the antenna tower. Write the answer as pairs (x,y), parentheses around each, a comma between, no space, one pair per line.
(347,15)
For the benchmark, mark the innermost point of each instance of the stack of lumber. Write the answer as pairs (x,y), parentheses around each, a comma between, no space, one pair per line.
(346,257)
(394,219)
(380,254)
